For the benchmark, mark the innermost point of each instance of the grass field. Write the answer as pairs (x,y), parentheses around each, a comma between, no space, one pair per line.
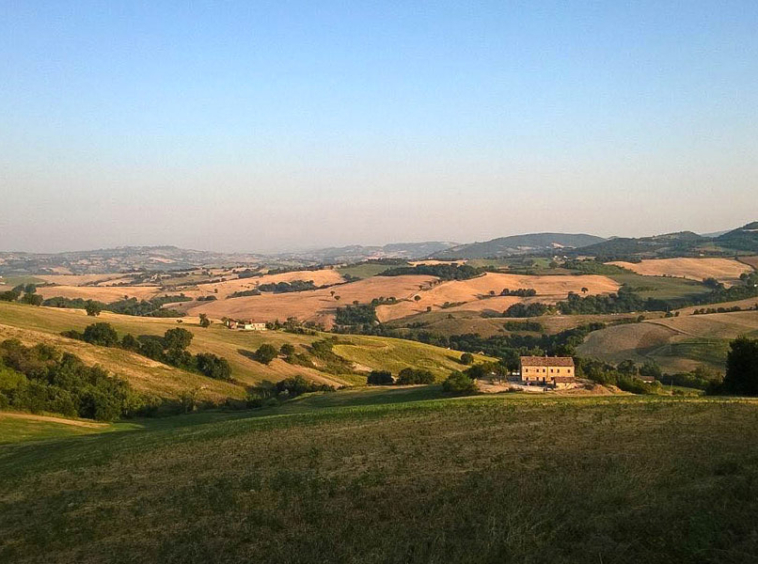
(22,427)
(363,270)
(36,324)
(676,343)
(722,269)
(385,476)
(661,287)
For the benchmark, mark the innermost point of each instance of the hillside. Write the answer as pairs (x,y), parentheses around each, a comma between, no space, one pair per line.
(675,343)
(669,244)
(395,476)
(359,253)
(43,324)
(744,238)
(518,244)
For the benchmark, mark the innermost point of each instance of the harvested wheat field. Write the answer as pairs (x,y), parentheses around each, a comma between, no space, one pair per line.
(751,261)
(325,277)
(549,290)
(314,305)
(79,279)
(722,269)
(105,294)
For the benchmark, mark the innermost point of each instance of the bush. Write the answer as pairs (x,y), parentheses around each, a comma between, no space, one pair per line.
(467,358)
(380,378)
(100,334)
(408,376)
(265,353)
(293,387)
(459,383)
(742,367)
(213,366)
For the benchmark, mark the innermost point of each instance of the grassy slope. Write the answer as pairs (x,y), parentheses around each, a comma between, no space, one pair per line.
(677,343)
(661,287)
(363,270)
(22,427)
(236,346)
(508,478)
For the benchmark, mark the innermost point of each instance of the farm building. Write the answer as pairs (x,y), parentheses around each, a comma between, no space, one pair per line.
(245,325)
(556,371)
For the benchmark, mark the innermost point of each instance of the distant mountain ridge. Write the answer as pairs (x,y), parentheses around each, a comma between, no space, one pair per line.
(519,244)
(357,253)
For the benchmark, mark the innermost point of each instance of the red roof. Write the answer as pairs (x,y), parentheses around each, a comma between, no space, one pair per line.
(547,361)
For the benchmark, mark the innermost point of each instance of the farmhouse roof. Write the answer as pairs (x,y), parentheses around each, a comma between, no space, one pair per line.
(547,361)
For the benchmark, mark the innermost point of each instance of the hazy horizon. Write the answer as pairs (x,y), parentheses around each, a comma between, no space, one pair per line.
(266,127)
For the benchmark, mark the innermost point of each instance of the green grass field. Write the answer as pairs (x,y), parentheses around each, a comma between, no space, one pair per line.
(661,287)
(363,270)
(384,476)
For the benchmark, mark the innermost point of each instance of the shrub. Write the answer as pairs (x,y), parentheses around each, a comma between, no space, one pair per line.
(379,378)
(409,376)
(459,383)
(100,334)
(265,353)
(467,358)
(213,366)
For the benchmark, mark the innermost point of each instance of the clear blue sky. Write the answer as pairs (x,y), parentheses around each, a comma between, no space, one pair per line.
(263,126)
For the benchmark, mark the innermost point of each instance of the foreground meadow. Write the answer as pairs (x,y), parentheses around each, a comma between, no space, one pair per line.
(396,476)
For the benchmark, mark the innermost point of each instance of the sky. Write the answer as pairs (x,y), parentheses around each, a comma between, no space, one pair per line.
(270,126)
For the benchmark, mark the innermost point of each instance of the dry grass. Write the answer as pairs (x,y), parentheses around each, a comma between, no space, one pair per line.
(722,269)
(323,277)
(315,305)
(549,290)
(105,294)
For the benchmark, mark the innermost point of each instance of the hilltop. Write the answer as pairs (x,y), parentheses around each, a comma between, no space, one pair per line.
(518,245)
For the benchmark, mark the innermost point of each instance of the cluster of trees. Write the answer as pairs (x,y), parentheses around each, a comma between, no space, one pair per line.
(358,314)
(406,377)
(459,383)
(271,395)
(42,378)
(284,287)
(741,368)
(533,326)
(26,293)
(127,306)
(170,349)
(244,293)
(452,271)
(521,292)
(704,310)
(526,310)
(209,298)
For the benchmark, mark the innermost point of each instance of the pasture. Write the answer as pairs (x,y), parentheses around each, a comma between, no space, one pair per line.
(722,269)
(396,476)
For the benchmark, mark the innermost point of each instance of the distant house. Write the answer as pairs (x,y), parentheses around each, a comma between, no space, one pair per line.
(646,379)
(245,325)
(556,371)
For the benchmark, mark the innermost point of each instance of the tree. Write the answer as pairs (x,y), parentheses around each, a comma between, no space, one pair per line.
(204,321)
(9,296)
(409,376)
(467,358)
(214,366)
(100,334)
(379,378)
(742,367)
(32,299)
(337,298)
(265,353)
(417,298)
(459,383)
(177,338)
(585,290)
(287,350)
(92,308)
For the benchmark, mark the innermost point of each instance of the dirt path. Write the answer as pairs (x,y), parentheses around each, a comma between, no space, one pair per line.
(51,419)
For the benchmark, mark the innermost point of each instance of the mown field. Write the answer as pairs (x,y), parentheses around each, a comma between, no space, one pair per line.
(396,476)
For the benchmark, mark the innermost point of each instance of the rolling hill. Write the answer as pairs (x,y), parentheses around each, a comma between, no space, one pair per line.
(518,245)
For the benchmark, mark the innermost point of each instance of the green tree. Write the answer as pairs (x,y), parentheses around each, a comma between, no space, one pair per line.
(204,321)
(177,338)
(467,358)
(742,367)
(459,383)
(287,349)
(100,334)
(379,378)
(266,353)
(92,308)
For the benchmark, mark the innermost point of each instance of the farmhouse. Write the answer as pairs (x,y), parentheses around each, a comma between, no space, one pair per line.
(556,371)
(245,325)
